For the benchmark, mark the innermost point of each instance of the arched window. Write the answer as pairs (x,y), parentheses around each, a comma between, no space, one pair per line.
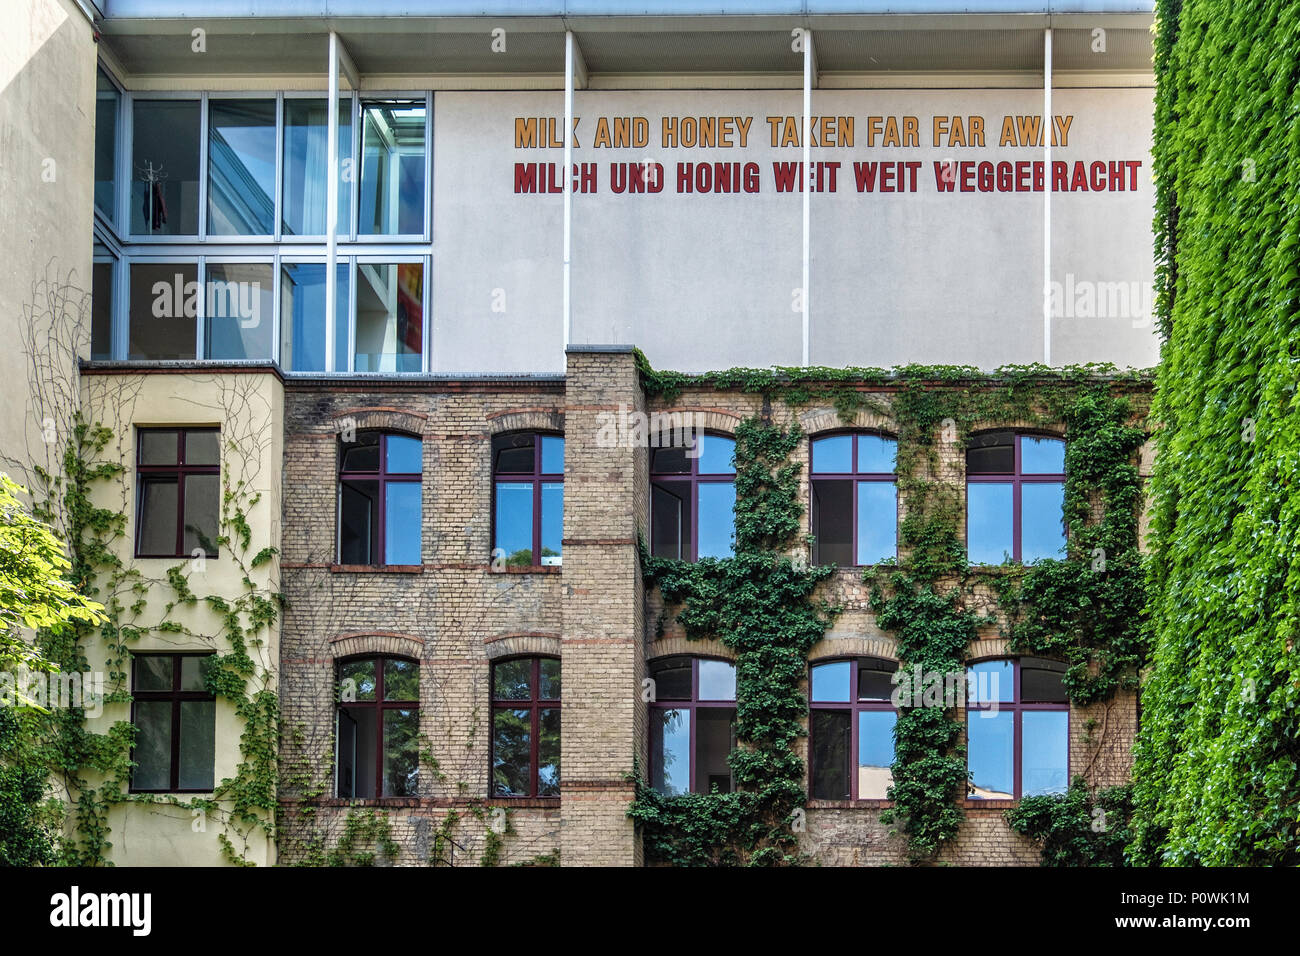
(693,499)
(692,725)
(379,499)
(526,727)
(854,499)
(378,748)
(851,726)
(528,498)
(1017,728)
(1015,497)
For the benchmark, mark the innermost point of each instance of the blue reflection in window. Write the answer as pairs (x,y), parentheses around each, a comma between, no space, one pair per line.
(717,680)
(990,681)
(876,455)
(875,753)
(670,746)
(716,453)
(832,682)
(402,523)
(403,455)
(1042,529)
(1044,752)
(717,519)
(552,455)
(302,297)
(241,167)
(877,521)
(990,753)
(306,165)
(1041,456)
(988,522)
(514,521)
(552,521)
(832,455)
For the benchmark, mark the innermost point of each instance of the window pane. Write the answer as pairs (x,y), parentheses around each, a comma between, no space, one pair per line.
(392,168)
(511,735)
(194,671)
(672,678)
(241,167)
(153,672)
(713,742)
(832,522)
(514,523)
(390,317)
(876,454)
(1044,752)
(988,522)
(548,752)
(717,680)
(990,753)
(401,680)
(358,751)
(513,680)
(830,682)
(358,680)
(830,754)
(670,516)
(513,454)
(991,453)
(302,317)
(1040,681)
(163,309)
(240,319)
(875,753)
(716,453)
(990,681)
(197,744)
(106,104)
(876,679)
(552,455)
(1042,456)
(358,521)
(402,522)
(361,455)
(832,455)
(157,517)
(550,688)
(306,165)
(717,529)
(101,310)
(153,745)
(401,752)
(202,511)
(202,447)
(669,461)
(552,522)
(1042,528)
(165,168)
(404,455)
(877,521)
(158,446)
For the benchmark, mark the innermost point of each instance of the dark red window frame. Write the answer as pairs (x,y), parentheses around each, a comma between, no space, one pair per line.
(1018,708)
(175,695)
(536,477)
(694,478)
(383,477)
(380,705)
(692,705)
(855,477)
(180,470)
(535,704)
(1017,480)
(853,706)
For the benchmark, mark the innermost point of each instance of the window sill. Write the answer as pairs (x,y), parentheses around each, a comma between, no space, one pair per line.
(849,804)
(530,569)
(376,568)
(969,804)
(521,803)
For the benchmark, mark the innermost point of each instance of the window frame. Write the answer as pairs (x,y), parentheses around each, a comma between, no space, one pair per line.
(694,478)
(536,478)
(382,477)
(176,696)
(180,470)
(1018,709)
(854,478)
(695,703)
(1017,480)
(853,706)
(534,705)
(379,704)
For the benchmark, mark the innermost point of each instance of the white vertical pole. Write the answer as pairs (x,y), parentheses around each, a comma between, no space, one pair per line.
(568,178)
(1048,125)
(807,183)
(332,206)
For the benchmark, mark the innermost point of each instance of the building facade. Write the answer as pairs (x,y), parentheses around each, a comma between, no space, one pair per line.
(377,507)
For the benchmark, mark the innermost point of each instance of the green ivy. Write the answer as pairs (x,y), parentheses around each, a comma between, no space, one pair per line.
(1079,827)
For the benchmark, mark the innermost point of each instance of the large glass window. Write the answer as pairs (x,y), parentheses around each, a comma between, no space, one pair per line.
(380,512)
(693,499)
(101,310)
(239,320)
(178,493)
(692,725)
(241,167)
(390,317)
(378,737)
(107,102)
(165,167)
(526,727)
(302,316)
(1017,728)
(1015,497)
(175,720)
(392,168)
(851,729)
(854,499)
(306,166)
(164,308)
(528,499)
